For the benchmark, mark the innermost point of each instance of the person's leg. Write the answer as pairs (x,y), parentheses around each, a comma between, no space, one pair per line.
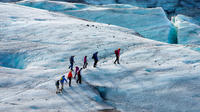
(86,65)
(61,87)
(75,75)
(80,79)
(72,67)
(57,89)
(115,60)
(95,63)
(77,80)
(118,59)
(69,81)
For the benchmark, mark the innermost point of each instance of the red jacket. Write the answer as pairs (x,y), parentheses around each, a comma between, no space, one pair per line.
(69,74)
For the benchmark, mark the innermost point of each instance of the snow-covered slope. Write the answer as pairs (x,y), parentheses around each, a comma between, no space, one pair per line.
(151,23)
(35,46)
(151,79)
(188,30)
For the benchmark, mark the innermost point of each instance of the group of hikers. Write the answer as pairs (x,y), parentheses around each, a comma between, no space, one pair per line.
(78,71)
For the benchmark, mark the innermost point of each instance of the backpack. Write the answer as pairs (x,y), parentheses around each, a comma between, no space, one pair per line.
(61,78)
(115,51)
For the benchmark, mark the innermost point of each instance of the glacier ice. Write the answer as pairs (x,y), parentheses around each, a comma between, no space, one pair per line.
(188,30)
(53,5)
(171,7)
(48,39)
(152,76)
(167,5)
(12,60)
(151,23)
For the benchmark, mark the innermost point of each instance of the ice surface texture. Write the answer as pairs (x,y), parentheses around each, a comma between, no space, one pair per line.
(151,23)
(152,76)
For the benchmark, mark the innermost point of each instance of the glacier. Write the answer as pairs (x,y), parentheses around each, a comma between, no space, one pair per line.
(171,7)
(130,16)
(35,46)
(188,30)
(151,23)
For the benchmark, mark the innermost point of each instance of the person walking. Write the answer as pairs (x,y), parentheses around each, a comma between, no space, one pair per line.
(62,80)
(71,62)
(95,57)
(76,71)
(79,77)
(85,62)
(57,86)
(117,54)
(70,77)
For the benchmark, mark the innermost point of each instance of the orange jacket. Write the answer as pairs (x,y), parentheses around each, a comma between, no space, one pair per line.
(69,74)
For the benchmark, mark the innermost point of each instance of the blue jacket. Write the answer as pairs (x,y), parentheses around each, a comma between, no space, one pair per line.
(95,56)
(71,59)
(63,79)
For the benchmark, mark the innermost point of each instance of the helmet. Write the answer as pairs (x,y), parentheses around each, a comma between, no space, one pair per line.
(118,48)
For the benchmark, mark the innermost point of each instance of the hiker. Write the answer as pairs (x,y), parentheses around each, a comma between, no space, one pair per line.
(57,86)
(62,80)
(85,62)
(76,71)
(95,59)
(70,77)
(71,63)
(79,77)
(117,53)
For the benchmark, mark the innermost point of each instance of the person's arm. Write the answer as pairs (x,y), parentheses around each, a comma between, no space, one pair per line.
(65,80)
